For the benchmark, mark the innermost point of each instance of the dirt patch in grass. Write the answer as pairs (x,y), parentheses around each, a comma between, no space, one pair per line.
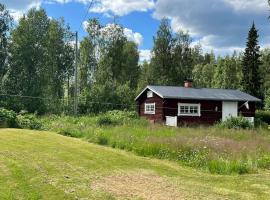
(138,185)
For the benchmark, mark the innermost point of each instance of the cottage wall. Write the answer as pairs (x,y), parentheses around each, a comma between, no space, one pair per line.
(158,116)
(211,111)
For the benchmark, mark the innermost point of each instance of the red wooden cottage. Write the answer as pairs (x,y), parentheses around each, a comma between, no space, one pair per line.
(185,105)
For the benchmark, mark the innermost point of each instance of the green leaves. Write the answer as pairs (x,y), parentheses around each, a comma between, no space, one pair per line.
(39,62)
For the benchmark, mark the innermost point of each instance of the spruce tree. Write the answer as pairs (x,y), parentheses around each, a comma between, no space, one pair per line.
(251,80)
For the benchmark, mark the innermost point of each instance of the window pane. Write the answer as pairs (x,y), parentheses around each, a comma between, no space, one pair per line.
(189,109)
(186,109)
(196,109)
(182,109)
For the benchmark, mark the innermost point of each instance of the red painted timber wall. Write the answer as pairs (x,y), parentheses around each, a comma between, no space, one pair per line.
(209,115)
(158,116)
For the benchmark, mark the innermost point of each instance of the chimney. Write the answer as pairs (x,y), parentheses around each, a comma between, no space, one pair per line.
(188,83)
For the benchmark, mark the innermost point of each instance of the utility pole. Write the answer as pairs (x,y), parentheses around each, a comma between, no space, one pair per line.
(76,76)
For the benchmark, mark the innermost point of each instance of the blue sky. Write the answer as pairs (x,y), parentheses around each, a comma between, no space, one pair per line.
(218,25)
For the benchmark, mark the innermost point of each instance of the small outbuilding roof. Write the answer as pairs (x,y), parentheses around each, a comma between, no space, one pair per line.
(172,92)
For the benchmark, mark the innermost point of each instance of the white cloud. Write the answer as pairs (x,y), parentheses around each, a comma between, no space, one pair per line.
(133,36)
(66,1)
(145,55)
(85,25)
(221,25)
(248,5)
(116,7)
(121,7)
(19,7)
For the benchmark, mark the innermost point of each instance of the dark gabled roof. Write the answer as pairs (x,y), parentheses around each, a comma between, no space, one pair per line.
(171,92)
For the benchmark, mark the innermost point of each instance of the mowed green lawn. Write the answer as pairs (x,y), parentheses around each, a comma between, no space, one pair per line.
(45,165)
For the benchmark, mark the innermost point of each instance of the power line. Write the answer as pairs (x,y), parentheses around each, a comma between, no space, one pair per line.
(102,103)
(86,14)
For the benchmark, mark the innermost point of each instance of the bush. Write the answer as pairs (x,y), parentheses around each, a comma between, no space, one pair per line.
(116,117)
(28,121)
(263,116)
(105,120)
(119,115)
(236,123)
(7,118)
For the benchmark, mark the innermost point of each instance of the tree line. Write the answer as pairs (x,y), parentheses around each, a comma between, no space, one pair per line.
(37,65)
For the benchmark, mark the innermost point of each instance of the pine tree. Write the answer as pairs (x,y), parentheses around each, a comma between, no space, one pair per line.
(251,80)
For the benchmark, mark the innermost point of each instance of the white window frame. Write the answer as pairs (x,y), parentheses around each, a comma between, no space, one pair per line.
(150,94)
(189,113)
(149,112)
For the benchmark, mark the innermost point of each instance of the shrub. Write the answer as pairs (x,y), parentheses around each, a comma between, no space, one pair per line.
(116,117)
(122,116)
(263,116)
(28,121)
(7,118)
(105,120)
(236,123)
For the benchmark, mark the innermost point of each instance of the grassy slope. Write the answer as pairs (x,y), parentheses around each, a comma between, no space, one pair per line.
(220,151)
(44,165)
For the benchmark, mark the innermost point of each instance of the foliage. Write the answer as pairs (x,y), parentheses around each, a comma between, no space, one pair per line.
(228,72)
(115,117)
(109,68)
(7,118)
(5,26)
(40,58)
(264,116)
(236,123)
(203,75)
(267,101)
(265,74)
(173,57)
(37,67)
(105,120)
(28,121)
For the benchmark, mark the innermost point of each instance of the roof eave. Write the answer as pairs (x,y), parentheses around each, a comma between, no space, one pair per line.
(149,87)
(211,99)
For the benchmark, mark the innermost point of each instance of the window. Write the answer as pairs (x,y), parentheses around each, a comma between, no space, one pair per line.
(189,109)
(149,94)
(149,108)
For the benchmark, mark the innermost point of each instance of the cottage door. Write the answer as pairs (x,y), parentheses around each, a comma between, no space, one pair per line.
(229,109)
